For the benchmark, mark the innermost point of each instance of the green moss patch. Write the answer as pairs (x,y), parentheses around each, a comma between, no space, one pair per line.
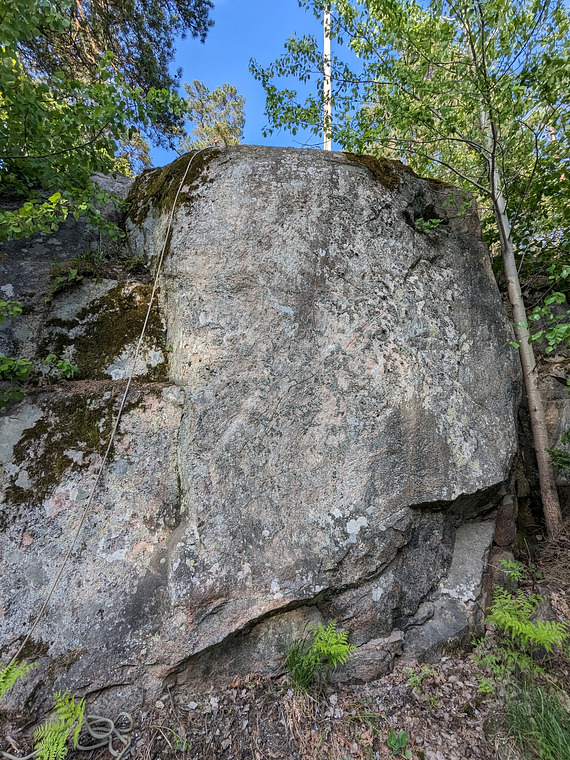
(158,187)
(108,325)
(74,422)
(384,170)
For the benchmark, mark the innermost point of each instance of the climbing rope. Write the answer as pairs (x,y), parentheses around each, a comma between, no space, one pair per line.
(105,732)
(106,456)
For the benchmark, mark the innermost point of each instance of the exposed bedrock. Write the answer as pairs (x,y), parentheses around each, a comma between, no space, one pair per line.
(337,434)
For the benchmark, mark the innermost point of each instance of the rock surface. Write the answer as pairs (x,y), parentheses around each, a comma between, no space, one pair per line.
(334,442)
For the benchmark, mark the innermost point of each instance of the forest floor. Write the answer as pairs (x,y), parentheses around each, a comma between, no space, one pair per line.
(441,707)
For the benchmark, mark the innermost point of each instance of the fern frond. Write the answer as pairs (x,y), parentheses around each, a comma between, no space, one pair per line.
(11,673)
(51,737)
(308,661)
(70,712)
(50,740)
(511,614)
(331,645)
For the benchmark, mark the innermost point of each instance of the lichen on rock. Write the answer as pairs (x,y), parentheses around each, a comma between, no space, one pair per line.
(343,405)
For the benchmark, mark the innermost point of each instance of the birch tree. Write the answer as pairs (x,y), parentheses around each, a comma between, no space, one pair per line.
(475,90)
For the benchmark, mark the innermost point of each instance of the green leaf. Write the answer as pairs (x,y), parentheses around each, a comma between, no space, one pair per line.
(12,672)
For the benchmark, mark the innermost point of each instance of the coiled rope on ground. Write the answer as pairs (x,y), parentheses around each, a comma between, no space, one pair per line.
(105,732)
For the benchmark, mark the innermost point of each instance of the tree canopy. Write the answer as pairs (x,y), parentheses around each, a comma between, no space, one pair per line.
(139,33)
(64,118)
(217,117)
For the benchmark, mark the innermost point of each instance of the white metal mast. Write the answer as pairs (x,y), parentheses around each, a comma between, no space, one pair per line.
(327,115)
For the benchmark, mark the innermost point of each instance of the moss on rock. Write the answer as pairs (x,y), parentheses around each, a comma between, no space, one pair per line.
(157,188)
(105,328)
(75,422)
(384,170)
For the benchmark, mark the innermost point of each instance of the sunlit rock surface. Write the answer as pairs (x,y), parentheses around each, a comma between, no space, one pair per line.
(335,434)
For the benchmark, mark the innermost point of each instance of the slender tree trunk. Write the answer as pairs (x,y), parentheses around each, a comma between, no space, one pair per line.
(327,116)
(548,491)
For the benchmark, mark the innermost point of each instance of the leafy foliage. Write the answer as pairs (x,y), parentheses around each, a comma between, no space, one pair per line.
(397,744)
(539,723)
(65,366)
(218,116)
(560,458)
(427,225)
(57,132)
(413,79)
(522,636)
(13,371)
(535,717)
(9,309)
(139,34)
(511,613)
(65,275)
(51,737)
(11,673)
(514,572)
(311,659)
(415,680)
(557,329)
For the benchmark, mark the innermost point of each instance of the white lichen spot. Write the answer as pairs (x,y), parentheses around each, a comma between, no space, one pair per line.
(75,456)
(23,479)
(121,367)
(276,589)
(376,594)
(117,556)
(245,572)
(204,319)
(278,306)
(354,526)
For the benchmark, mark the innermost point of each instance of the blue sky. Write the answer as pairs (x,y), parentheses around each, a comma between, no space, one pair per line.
(244,29)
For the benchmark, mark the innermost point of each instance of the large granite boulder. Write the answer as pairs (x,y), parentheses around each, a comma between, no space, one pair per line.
(333,440)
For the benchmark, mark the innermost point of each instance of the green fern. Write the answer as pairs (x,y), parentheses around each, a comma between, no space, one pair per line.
(331,646)
(511,614)
(311,658)
(11,673)
(51,737)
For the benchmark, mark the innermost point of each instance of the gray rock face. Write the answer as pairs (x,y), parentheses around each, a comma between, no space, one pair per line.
(339,429)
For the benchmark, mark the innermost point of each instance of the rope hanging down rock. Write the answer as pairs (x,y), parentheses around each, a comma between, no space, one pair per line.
(93,720)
